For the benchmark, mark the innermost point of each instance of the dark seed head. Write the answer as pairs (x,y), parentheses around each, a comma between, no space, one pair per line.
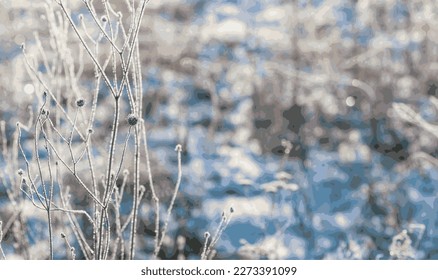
(80,102)
(132,119)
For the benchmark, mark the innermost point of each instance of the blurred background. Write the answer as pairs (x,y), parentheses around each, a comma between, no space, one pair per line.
(287,111)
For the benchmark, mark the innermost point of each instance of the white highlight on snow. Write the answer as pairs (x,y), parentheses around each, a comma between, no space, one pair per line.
(272,14)
(29,89)
(228,31)
(350,101)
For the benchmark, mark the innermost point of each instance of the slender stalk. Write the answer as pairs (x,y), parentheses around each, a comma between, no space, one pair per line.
(49,204)
(1,238)
(87,48)
(107,191)
(136,193)
(178,149)
(204,249)
(155,199)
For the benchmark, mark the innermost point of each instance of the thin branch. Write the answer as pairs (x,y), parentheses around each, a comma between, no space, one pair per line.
(155,199)
(178,149)
(87,48)
(1,238)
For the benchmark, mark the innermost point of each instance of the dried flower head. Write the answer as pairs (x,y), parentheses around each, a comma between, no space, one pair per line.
(132,119)
(142,190)
(80,102)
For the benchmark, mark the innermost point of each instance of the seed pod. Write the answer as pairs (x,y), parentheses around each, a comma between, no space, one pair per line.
(80,102)
(132,119)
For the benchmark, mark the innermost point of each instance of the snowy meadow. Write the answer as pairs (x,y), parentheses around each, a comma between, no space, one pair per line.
(194,129)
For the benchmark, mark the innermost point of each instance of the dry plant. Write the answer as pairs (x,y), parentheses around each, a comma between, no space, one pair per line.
(208,251)
(63,143)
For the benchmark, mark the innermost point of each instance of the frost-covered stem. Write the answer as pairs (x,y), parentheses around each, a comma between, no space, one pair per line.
(155,198)
(32,183)
(70,140)
(74,225)
(69,247)
(69,169)
(204,250)
(50,199)
(119,239)
(108,190)
(136,107)
(46,87)
(225,220)
(89,153)
(126,64)
(87,48)
(1,238)
(135,195)
(47,197)
(4,140)
(102,29)
(178,149)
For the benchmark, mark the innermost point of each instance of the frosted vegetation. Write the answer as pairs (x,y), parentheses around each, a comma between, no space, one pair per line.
(193,129)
